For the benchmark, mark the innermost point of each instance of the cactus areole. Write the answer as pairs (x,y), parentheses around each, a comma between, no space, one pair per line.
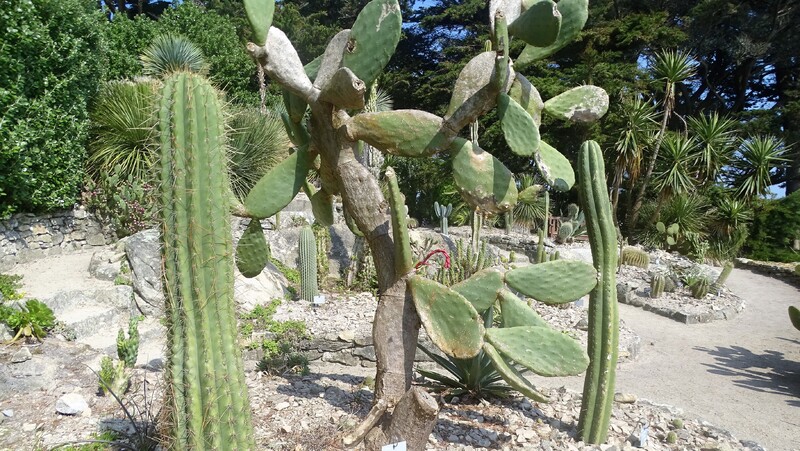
(327,91)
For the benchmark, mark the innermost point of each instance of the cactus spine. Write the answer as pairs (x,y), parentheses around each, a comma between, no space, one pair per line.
(308,264)
(603,347)
(442,213)
(207,394)
(657,285)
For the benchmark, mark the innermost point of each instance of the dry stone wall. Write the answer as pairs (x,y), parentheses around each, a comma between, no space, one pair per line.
(25,237)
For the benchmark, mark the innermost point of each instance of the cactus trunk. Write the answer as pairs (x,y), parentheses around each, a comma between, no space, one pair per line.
(603,347)
(207,396)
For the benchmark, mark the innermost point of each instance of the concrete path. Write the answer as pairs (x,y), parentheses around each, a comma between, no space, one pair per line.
(742,375)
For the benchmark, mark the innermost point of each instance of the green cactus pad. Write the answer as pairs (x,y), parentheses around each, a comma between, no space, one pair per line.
(406,133)
(539,25)
(530,193)
(252,252)
(474,93)
(794,316)
(312,68)
(512,376)
(259,14)
(482,179)
(450,320)
(295,106)
(573,17)
(515,312)
(554,282)
(554,167)
(279,186)
(585,103)
(519,129)
(373,39)
(481,289)
(525,94)
(322,207)
(544,351)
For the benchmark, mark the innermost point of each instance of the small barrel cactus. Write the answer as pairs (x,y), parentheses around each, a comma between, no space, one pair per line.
(632,256)
(700,288)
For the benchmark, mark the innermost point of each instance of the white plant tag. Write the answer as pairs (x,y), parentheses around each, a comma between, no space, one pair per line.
(400,446)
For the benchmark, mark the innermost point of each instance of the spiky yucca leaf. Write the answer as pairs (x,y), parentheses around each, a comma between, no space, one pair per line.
(715,136)
(753,165)
(678,153)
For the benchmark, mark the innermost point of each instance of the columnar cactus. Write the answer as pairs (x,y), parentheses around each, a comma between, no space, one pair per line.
(657,284)
(308,264)
(442,213)
(603,347)
(541,256)
(723,276)
(207,394)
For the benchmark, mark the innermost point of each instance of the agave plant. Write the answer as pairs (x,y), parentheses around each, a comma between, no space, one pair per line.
(172,53)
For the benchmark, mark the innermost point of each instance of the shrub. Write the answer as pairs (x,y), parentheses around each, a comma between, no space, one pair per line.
(52,58)
(776,225)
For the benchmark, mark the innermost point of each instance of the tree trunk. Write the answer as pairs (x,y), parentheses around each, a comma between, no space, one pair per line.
(396,324)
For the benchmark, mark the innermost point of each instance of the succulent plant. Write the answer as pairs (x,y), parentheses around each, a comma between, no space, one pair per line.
(308,264)
(669,234)
(333,85)
(723,275)
(632,256)
(657,285)
(603,347)
(541,256)
(443,213)
(206,389)
(128,348)
(700,287)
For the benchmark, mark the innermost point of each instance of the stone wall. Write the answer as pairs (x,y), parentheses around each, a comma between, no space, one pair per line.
(25,236)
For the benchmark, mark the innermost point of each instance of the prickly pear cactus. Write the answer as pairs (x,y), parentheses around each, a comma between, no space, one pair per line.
(206,391)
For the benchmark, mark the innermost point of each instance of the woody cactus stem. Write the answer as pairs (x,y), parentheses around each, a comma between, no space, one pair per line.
(207,395)
(598,388)
(308,264)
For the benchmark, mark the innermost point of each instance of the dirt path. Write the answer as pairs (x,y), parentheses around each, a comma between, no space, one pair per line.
(742,375)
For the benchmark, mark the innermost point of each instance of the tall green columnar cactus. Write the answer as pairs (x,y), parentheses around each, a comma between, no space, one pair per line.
(308,264)
(443,213)
(723,275)
(603,347)
(541,255)
(207,395)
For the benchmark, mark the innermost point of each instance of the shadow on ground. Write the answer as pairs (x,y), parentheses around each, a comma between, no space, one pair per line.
(766,372)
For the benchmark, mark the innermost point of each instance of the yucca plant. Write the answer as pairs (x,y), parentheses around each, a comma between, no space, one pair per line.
(638,133)
(715,136)
(752,165)
(674,177)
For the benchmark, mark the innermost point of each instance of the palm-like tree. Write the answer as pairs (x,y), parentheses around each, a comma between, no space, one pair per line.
(751,170)
(716,143)
(638,133)
(671,67)
(675,177)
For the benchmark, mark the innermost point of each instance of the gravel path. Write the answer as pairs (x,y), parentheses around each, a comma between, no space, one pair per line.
(742,374)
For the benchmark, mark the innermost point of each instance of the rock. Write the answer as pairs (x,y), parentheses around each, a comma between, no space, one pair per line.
(8,413)
(283,245)
(342,357)
(281,406)
(144,258)
(71,404)
(23,355)
(28,427)
(347,335)
(6,334)
(341,252)
(260,290)
(366,353)
(624,398)
(105,265)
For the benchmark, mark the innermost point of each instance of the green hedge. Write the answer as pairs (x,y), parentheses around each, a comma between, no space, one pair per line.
(52,57)
(775,226)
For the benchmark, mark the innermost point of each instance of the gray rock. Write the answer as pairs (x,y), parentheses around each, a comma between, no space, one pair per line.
(144,258)
(341,357)
(71,404)
(343,243)
(8,413)
(259,290)
(96,239)
(6,333)
(105,265)
(625,398)
(366,353)
(283,245)
(23,355)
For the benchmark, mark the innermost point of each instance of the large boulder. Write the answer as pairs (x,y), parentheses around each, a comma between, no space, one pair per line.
(144,258)
(342,248)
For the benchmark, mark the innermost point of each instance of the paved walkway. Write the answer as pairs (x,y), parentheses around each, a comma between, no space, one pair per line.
(742,375)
